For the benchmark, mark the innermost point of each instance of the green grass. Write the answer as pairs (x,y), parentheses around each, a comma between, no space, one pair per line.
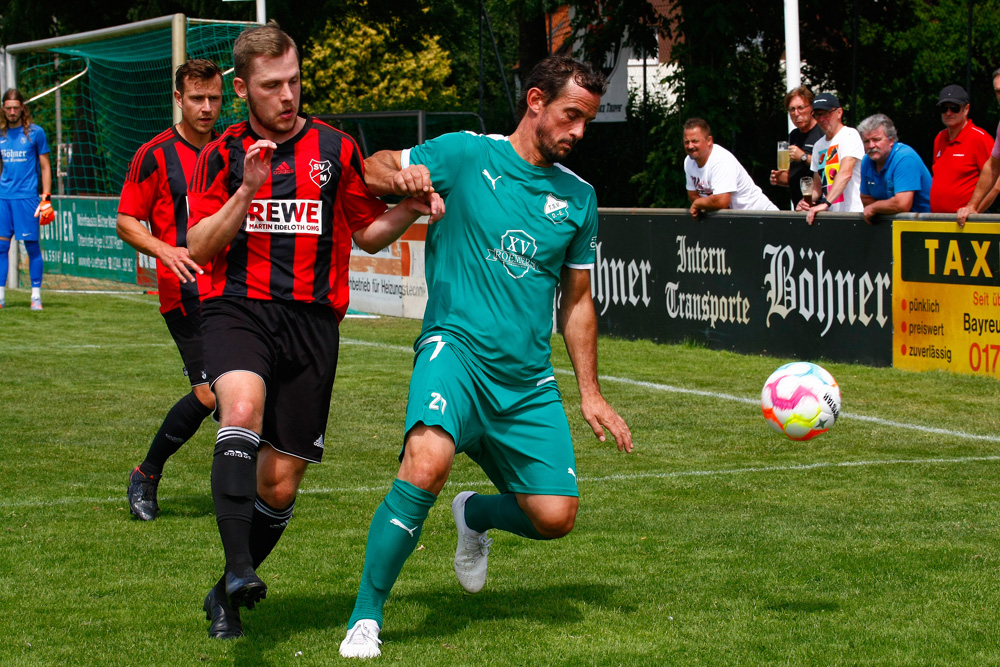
(716,542)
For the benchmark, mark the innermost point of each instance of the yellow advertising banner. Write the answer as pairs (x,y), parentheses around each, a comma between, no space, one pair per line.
(946,296)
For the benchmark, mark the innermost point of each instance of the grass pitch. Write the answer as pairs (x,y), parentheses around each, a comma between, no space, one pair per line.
(717,542)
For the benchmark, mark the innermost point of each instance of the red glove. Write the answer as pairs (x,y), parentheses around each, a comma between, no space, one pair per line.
(44,212)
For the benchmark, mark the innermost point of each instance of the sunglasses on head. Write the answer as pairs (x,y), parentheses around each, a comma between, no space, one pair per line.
(954,108)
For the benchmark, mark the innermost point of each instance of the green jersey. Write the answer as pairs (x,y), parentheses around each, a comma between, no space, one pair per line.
(493,261)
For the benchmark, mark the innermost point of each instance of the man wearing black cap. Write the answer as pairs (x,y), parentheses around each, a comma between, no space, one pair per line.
(835,162)
(960,152)
(986,187)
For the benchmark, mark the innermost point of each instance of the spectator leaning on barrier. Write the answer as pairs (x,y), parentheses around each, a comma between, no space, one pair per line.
(960,152)
(986,187)
(836,182)
(893,177)
(801,142)
(715,178)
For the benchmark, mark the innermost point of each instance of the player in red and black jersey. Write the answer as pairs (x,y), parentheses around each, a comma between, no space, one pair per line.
(274,205)
(155,191)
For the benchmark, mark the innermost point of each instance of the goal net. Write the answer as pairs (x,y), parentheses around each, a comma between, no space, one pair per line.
(99,96)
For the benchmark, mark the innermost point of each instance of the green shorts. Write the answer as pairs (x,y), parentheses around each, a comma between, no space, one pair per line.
(518,435)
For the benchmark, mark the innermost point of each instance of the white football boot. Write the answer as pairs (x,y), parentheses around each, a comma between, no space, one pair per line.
(362,640)
(473,548)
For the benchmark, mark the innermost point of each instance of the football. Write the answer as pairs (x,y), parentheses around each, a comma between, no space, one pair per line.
(801,400)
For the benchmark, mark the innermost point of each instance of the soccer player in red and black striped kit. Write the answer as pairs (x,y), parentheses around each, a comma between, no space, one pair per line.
(155,190)
(274,205)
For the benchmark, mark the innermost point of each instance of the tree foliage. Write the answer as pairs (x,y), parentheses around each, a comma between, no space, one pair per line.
(354,65)
(726,56)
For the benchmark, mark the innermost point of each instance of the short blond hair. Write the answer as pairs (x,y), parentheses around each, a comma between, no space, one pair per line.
(265,40)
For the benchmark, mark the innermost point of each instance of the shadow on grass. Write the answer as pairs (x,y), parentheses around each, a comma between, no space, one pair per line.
(447,613)
(280,617)
(186,506)
(451,611)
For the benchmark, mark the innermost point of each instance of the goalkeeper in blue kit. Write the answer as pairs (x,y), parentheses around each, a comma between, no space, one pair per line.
(517,224)
(25,153)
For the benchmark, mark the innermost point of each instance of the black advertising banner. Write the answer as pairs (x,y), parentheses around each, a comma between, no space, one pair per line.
(760,283)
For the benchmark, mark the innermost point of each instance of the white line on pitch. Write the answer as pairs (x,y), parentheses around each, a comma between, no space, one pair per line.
(805,467)
(736,399)
(609,378)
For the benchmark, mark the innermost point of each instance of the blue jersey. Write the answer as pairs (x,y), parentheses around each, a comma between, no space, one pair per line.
(494,260)
(19,179)
(903,171)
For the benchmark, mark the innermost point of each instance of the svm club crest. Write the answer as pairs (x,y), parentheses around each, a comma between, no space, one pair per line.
(319,172)
(556,209)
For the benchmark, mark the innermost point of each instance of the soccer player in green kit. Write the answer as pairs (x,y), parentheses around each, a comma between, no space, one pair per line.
(516,225)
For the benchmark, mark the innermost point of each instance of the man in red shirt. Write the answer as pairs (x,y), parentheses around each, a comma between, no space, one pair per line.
(960,151)
(155,191)
(275,204)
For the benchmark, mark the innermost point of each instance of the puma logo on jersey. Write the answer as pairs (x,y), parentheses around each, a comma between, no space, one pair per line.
(493,181)
(396,522)
(570,471)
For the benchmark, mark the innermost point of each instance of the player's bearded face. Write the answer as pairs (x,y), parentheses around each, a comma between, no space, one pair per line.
(273,92)
(12,110)
(563,122)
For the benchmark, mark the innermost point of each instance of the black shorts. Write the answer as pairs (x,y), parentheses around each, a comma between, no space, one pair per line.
(293,348)
(186,332)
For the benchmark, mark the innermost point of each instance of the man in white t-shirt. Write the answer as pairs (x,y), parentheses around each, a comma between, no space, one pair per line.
(836,162)
(715,178)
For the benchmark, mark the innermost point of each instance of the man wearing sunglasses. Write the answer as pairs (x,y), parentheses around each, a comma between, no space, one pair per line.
(961,150)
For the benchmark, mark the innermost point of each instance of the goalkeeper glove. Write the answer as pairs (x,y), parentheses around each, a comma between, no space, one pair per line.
(44,212)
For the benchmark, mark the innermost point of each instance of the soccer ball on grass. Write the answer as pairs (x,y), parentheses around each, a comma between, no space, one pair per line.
(801,400)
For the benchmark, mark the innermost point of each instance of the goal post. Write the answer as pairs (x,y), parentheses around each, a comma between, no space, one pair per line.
(99,95)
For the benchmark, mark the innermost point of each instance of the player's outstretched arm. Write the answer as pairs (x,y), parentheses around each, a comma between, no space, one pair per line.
(384,175)
(208,236)
(390,225)
(580,333)
(134,233)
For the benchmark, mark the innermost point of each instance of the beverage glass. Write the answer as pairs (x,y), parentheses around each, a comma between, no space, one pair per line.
(783,156)
(806,186)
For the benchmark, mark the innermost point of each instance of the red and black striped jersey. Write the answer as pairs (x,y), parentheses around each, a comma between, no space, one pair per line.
(155,191)
(295,242)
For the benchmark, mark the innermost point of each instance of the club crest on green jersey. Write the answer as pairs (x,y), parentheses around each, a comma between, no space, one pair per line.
(515,253)
(556,209)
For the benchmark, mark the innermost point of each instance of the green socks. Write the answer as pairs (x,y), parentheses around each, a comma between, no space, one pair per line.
(392,537)
(499,511)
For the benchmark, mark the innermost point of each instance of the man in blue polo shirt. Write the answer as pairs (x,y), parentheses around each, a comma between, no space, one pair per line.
(893,177)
